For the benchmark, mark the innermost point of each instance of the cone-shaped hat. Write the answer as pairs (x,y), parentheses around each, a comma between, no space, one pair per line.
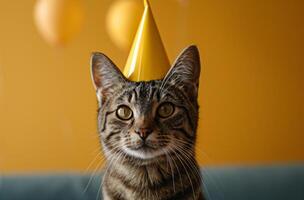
(147,59)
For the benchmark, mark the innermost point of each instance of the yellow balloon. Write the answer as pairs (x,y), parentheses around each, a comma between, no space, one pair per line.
(58,20)
(122,21)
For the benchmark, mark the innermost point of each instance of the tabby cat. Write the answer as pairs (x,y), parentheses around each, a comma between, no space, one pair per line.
(148,131)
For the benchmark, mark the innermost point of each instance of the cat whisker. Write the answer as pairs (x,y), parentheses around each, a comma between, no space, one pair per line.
(112,158)
(172,173)
(182,163)
(191,159)
(180,144)
(176,166)
(94,171)
(92,177)
(98,155)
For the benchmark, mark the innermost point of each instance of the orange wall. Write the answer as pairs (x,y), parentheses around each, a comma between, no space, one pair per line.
(251,95)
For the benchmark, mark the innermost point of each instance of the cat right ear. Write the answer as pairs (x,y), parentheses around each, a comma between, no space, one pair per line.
(107,78)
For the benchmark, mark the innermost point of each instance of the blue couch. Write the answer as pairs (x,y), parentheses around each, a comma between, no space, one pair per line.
(220,183)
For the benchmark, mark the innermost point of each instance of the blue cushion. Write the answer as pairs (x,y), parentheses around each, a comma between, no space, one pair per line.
(220,183)
(255,183)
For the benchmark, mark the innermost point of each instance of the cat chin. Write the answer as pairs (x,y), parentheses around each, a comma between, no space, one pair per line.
(142,154)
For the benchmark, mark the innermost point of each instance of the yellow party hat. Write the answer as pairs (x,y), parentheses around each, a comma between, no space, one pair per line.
(147,59)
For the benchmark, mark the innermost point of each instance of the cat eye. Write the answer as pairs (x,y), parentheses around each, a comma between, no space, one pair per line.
(165,110)
(124,112)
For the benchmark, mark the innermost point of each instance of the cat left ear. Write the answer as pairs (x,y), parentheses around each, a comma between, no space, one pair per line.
(106,76)
(185,72)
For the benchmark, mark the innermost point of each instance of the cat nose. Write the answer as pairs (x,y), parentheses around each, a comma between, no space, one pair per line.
(143,132)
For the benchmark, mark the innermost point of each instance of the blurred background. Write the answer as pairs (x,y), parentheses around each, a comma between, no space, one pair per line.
(251,87)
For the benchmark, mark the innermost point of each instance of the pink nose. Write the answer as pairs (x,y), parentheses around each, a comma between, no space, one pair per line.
(143,132)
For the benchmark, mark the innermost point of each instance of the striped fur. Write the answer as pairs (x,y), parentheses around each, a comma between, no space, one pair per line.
(162,166)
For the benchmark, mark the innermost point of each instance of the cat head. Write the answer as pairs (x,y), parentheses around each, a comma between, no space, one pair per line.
(147,119)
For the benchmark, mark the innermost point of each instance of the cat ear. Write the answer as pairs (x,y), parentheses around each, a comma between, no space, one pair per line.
(185,72)
(107,78)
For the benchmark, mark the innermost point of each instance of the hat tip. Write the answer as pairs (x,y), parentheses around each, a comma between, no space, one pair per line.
(146,3)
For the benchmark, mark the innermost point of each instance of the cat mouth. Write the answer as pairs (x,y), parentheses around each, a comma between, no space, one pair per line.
(144,147)
(144,152)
